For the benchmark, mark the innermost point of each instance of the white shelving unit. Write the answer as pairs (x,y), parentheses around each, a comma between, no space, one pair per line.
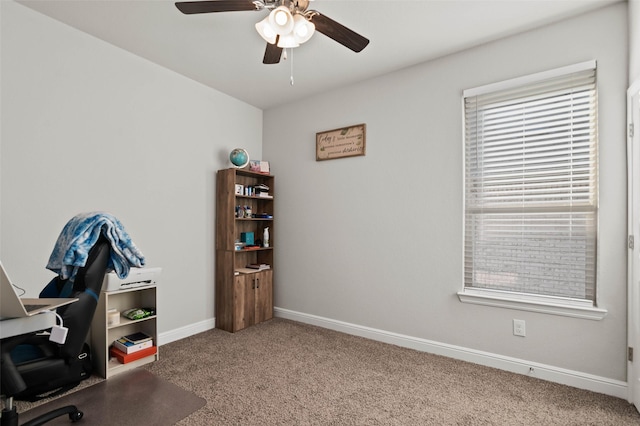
(103,334)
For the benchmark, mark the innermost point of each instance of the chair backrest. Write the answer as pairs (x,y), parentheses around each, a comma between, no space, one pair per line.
(87,286)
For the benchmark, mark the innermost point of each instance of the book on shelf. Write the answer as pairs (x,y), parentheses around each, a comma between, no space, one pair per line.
(264,195)
(124,358)
(239,271)
(128,347)
(258,266)
(263,215)
(138,337)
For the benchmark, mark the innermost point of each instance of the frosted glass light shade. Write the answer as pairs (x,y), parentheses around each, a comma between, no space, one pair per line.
(287,41)
(302,29)
(281,20)
(266,31)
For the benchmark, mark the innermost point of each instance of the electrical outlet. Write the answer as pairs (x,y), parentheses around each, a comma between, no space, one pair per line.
(518,328)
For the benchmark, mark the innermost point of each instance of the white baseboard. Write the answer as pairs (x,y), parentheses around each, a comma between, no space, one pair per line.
(550,373)
(186,331)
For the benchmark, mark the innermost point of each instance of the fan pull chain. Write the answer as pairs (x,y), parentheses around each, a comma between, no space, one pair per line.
(291,54)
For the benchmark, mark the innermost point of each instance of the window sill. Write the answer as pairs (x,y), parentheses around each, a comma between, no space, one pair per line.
(542,304)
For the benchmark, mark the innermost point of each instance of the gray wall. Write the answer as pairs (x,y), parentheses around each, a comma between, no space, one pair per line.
(376,241)
(373,241)
(634,40)
(87,126)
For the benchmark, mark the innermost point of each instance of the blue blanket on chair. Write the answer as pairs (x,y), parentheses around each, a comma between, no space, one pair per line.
(78,237)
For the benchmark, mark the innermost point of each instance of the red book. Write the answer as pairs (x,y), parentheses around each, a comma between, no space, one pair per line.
(125,358)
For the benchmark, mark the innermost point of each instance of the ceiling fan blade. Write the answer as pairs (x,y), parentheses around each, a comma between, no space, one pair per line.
(339,32)
(191,7)
(272,54)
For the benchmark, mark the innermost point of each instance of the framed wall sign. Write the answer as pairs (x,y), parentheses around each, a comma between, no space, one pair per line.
(339,143)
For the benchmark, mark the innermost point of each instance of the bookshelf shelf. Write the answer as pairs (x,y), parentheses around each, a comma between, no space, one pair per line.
(125,321)
(245,299)
(103,334)
(253,197)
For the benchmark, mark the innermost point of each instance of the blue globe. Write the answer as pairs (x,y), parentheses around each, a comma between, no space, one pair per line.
(239,157)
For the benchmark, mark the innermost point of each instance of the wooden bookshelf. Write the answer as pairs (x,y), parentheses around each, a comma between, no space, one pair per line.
(243,299)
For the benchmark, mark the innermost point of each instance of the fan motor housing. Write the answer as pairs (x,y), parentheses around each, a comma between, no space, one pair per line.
(293,5)
(299,5)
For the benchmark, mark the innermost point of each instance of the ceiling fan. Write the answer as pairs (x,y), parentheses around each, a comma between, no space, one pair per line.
(289,24)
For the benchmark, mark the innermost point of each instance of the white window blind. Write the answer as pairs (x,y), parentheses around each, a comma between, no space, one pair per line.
(531,184)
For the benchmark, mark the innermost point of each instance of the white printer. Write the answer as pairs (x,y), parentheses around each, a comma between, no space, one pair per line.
(138,277)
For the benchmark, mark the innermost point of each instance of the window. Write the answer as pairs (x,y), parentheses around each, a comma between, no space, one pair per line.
(531,189)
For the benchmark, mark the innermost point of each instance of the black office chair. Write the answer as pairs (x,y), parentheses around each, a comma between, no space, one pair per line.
(32,365)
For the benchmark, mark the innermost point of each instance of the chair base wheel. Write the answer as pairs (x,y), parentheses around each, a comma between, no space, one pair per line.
(76,416)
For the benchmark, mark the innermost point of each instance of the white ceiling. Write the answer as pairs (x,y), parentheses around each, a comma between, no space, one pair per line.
(223,50)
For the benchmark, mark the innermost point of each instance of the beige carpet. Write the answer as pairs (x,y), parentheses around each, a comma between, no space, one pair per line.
(286,373)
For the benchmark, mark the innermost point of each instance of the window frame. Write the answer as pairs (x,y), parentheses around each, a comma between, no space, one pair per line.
(557,305)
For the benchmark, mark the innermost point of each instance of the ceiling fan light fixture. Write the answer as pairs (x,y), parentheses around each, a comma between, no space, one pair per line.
(266,31)
(281,20)
(302,29)
(283,16)
(287,41)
